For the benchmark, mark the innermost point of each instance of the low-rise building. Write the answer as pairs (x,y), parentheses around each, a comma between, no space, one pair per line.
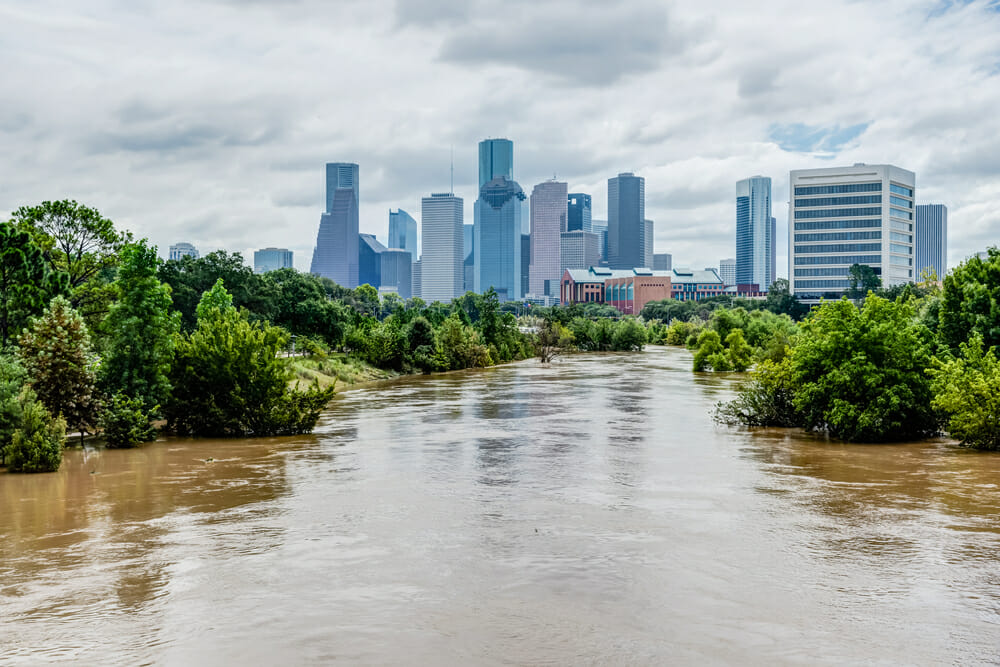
(693,285)
(628,290)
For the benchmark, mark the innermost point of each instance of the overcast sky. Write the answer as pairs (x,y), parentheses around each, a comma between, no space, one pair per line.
(211,122)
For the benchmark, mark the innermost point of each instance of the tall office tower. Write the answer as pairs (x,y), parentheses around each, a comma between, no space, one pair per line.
(370,260)
(497,240)
(441,263)
(403,232)
(271,259)
(525,261)
(647,244)
(548,218)
(179,250)
(727,271)
(753,232)
(397,272)
(849,215)
(469,265)
(579,212)
(579,250)
(600,227)
(774,255)
(336,253)
(663,261)
(932,240)
(496,160)
(416,290)
(626,221)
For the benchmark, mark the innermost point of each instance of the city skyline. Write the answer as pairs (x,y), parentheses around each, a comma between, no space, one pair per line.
(243,134)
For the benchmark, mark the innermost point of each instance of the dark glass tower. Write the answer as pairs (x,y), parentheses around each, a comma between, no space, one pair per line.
(496,160)
(626,221)
(579,215)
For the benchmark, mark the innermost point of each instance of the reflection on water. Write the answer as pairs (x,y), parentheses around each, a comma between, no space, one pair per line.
(588,511)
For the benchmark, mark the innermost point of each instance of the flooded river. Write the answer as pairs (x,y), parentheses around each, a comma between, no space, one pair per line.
(588,512)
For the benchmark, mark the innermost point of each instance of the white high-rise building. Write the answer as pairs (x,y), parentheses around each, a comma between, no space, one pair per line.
(727,271)
(441,262)
(849,215)
(549,208)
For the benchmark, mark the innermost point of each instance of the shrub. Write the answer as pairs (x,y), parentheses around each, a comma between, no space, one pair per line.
(125,422)
(967,391)
(37,443)
(765,399)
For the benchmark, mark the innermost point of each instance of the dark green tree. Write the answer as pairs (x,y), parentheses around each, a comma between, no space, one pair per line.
(862,279)
(37,443)
(12,379)
(967,391)
(26,282)
(970,302)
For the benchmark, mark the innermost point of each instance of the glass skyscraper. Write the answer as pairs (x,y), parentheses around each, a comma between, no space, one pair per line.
(932,240)
(754,238)
(579,213)
(441,266)
(626,221)
(850,215)
(271,259)
(497,238)
(548,219)
(179,250)
(370,260)
(403,232)
(496,159)
(336,253)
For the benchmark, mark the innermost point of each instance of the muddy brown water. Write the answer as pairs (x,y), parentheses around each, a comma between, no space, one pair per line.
(587,512)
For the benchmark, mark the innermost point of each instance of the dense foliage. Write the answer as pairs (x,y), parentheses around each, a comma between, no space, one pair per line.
(970,303)
(37,442)
(967,390)
(126,422)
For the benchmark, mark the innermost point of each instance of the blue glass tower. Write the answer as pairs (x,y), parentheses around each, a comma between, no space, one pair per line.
(403,232)
(754,232)
(335,255)
(370,260)
(497,240)
(931,240)
(578,217)
(626,221)
(496,159)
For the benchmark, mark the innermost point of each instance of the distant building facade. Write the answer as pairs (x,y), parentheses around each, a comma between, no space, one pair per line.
(842,216)
(754,232)
(727,271)
(663,261)
(271,259)
(370,260)
(647,243)
(626,221)
(403,232)
(600,227)
(396,274)
(441,263)
(626,290)
(335,255)
(497,239)
(931,240)
(182,249)
(548,218)
(579,250)
(579,212)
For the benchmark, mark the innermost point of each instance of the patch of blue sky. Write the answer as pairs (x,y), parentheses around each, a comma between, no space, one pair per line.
(802,138)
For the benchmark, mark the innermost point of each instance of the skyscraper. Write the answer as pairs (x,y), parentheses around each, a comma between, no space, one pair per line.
(774,255)
(600,227)
(336,253)
(727,271)
(496,159)
(469,273)
(579,211)
(647,244)
(663,261)
(849,215)
(397,272)
(370,260)
(754,242)
(579,250)
(626,221)
(497,238)
(549,205)
(179,250)
(403,232)
(440,271)
(932,240)
(271,259)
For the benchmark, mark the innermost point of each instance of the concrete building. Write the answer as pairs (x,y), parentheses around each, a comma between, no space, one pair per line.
(727,271)
(754,232)
(549,211)
(579,212)
(497,239)
(931,240)
(182,249)
(441,272)
(579,250)
(403,232)
(663,261)
(335,255)
(272,259)
(396,275)
(626,221)
(841,216)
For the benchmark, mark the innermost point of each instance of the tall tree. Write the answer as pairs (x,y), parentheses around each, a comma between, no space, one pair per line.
(80,242)
(56,354)
(139,340)
(970,302)
(26,283)
(862,279)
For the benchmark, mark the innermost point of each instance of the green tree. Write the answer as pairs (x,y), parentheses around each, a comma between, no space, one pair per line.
(781,301)
(709,350)
(553,339)
(862,279)
(970,302)
(767,398)
(26,282)
(860,373)
(228,380)
(629,335)
(37,442)
(12,379)
(967,390)
(140,331)
(740,354)
(459,346)
(126,422)
(80,242)
(56,354)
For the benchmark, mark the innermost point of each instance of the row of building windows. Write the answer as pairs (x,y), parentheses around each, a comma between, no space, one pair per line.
(838,236)
(901,226)
(840,201)
(846,260)
(901,261)
(619,292)
(833,271)
(839,212)
(900,190)
(839,247)
(905,238)
(902,215)
(901,249)
(803,284)
(899,201)
(837,224)
(837,189)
